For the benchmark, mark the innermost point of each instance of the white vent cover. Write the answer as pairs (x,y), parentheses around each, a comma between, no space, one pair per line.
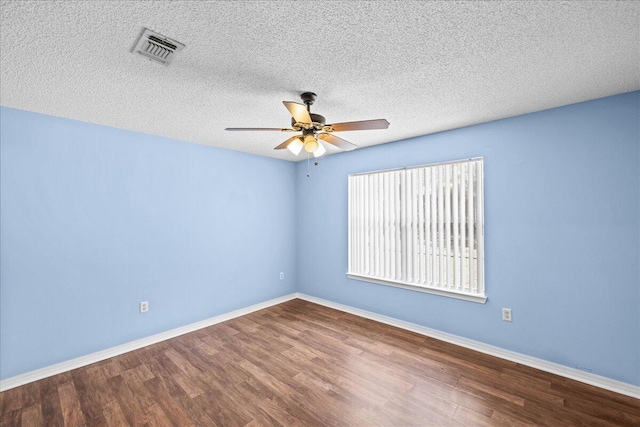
(157,47)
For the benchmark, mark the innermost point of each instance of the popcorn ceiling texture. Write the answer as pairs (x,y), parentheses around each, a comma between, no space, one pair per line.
(424,66)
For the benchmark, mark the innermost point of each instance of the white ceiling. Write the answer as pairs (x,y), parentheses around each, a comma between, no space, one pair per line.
(424,66)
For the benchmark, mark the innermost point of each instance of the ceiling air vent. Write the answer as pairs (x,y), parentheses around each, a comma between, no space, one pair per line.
(157,47)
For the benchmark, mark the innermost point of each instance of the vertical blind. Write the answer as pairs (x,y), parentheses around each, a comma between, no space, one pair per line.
(420,226)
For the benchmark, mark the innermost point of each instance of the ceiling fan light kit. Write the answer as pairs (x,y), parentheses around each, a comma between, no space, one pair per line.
(320,150)
(314,129)
(310,143)
(295,146)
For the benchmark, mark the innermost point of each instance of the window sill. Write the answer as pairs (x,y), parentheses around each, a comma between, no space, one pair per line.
(481,299)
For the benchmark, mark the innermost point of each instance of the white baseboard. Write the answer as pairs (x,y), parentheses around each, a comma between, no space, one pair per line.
(543,365)
(69,365)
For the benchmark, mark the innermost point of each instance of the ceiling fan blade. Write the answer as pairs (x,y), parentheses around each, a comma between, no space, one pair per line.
(298,111)
(361,125)
(262,129)
(338,142)
(286,143)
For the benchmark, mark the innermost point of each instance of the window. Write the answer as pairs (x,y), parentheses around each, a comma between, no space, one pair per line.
(420,228)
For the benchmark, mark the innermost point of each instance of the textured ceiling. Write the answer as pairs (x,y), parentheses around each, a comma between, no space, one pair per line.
(424,66)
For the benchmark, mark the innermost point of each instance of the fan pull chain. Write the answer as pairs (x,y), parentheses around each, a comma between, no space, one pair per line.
(308,160)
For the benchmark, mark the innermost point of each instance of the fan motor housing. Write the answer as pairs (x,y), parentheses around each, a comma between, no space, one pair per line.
(317,119)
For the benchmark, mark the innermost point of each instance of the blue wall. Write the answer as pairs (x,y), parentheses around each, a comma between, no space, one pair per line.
(562,228)
(95,220)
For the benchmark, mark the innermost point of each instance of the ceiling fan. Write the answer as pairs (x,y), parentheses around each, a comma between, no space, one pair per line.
(314,128)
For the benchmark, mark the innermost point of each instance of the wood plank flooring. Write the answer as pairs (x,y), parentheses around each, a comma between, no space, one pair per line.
(301,364)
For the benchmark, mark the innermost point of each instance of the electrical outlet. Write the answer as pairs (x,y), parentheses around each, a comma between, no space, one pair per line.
(506,314)
(144,306)
(281,276)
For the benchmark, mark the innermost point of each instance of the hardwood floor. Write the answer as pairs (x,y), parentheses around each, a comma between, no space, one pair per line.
(303,364)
